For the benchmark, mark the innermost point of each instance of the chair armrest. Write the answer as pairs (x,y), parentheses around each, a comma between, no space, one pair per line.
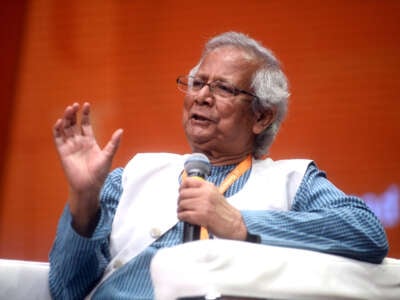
(215,268)
(21,280)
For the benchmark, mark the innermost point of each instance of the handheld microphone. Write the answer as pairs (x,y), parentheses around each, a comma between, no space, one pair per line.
(197,165)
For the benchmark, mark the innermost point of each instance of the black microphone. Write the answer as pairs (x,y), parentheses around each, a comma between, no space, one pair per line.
(197,165)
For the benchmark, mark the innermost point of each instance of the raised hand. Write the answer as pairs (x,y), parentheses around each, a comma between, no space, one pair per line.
(85,164)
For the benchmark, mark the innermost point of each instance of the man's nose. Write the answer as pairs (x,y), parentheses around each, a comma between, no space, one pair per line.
(205,95)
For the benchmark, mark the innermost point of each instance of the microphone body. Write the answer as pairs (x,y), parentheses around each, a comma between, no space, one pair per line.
(197,165)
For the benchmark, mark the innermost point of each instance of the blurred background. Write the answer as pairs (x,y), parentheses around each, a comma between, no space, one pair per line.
(341,57)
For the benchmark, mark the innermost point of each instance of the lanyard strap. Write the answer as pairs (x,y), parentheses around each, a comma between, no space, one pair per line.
(234,175)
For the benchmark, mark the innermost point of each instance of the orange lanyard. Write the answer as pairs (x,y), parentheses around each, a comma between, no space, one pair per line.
(234,175)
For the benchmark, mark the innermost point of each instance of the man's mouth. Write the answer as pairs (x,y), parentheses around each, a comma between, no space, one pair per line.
(197,117)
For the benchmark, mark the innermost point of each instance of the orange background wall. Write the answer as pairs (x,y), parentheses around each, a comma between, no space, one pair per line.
(341,57)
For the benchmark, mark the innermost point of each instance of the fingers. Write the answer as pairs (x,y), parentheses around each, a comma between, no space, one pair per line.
(190,194)
(57,132)
(191,182)
(70,126)
(190,210)
(67,126)
(195,199)
(85,120)
(112,146)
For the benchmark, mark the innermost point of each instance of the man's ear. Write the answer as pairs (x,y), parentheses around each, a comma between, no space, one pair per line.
(263,120)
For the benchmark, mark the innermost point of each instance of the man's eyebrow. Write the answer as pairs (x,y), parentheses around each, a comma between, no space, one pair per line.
(219,78)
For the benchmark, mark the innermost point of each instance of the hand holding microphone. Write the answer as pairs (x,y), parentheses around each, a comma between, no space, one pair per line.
(201,203)
(197,165)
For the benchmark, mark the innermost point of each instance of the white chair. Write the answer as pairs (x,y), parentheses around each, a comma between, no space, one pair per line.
(21,280)
(216,269)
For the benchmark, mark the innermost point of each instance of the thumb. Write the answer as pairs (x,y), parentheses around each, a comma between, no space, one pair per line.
(112,146)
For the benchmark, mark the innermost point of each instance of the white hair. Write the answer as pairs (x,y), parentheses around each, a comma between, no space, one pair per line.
(269,83)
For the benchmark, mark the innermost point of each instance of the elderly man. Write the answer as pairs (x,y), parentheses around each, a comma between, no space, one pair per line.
(235,100)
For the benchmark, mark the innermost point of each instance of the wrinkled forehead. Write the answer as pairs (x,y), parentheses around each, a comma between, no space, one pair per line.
(229,63)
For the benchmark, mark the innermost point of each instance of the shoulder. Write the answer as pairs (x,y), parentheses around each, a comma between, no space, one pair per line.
(304,171)
(292,163)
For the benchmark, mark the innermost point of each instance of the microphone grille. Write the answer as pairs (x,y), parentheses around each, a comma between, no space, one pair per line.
(197,165)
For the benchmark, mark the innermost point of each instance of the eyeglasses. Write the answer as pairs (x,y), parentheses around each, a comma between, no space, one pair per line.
(193,84)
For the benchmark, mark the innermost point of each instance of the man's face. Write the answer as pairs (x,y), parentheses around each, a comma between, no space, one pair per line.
(221,126)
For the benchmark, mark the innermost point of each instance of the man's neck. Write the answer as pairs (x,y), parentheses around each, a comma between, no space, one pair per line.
(221,160)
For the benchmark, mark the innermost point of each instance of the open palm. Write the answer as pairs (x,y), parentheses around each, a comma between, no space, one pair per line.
(85,164)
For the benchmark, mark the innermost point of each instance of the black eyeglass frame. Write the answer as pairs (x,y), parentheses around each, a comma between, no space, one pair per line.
(235,90)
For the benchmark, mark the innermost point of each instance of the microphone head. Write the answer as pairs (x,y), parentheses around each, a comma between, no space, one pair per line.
(198,165)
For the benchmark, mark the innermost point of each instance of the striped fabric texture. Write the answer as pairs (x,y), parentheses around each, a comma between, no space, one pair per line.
(322,218)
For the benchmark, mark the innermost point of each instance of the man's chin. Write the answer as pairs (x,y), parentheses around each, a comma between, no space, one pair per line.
(198,139)
(199,133)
